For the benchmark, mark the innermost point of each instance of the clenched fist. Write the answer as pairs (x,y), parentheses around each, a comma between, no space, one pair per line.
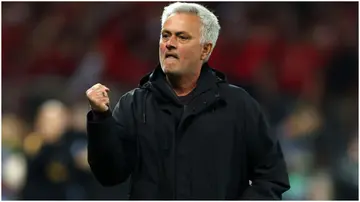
(98,97)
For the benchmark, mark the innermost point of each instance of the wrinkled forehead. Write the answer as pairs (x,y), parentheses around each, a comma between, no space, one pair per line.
(183,22)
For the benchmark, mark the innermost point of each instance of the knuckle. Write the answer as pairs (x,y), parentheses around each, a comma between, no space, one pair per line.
(97,85)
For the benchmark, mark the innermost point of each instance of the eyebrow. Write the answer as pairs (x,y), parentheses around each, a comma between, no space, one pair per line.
(176,33)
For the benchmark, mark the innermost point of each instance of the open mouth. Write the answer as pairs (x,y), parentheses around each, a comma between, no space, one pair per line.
(171,55)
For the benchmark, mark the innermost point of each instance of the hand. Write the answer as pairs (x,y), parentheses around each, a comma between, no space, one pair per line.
(98,97)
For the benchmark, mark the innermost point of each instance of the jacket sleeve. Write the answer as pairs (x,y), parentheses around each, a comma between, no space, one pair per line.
(112,143)
(266,166)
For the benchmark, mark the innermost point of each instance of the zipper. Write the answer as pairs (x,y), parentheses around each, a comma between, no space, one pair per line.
(176,140)
(175,164)
(177,135)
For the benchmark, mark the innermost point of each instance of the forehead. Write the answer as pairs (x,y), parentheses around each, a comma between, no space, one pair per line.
(183,22)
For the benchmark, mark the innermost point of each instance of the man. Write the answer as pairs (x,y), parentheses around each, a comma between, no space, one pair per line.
(185,133)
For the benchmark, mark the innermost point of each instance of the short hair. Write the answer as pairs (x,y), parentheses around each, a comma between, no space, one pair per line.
(210,24)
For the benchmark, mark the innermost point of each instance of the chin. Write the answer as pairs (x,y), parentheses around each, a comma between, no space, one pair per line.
(169,67)
(170,71)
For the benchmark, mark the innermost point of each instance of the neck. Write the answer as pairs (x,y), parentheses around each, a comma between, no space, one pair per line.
(183,85)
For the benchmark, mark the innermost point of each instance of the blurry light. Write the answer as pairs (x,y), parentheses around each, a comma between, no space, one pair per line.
(32,144)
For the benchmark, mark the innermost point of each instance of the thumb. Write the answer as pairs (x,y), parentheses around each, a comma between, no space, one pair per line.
(106,106)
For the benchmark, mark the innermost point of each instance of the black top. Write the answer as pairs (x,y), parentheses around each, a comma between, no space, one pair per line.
(221,142)
(185,100)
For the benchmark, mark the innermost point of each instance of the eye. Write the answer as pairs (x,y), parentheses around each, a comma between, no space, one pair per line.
(182,37)
(165,35)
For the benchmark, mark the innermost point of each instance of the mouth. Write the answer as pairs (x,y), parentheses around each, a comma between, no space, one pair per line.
(171,55)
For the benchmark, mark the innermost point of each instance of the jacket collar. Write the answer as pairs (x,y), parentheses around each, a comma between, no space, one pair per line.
(209,80)
(208,77)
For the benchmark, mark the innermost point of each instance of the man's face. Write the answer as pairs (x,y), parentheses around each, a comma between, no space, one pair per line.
(180,37)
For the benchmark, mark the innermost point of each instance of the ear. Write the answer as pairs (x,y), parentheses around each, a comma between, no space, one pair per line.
(206,50)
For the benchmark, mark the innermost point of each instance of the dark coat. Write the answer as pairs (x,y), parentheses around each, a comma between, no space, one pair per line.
(208,149)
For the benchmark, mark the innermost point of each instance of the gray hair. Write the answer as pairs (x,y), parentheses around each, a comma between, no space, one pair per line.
(210,25)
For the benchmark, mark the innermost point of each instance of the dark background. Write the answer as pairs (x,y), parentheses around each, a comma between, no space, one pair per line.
(299,60)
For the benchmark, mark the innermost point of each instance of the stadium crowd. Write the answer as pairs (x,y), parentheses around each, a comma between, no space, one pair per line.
(299,60)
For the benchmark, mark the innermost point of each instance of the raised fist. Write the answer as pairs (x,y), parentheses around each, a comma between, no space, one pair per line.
(98,97)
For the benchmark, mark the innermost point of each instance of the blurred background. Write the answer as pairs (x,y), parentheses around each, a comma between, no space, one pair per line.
(299,60)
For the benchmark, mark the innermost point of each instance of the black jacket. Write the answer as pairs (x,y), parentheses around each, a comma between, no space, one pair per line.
(208,149)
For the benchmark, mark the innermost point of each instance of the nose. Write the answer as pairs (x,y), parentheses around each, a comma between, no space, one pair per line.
(171,43)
